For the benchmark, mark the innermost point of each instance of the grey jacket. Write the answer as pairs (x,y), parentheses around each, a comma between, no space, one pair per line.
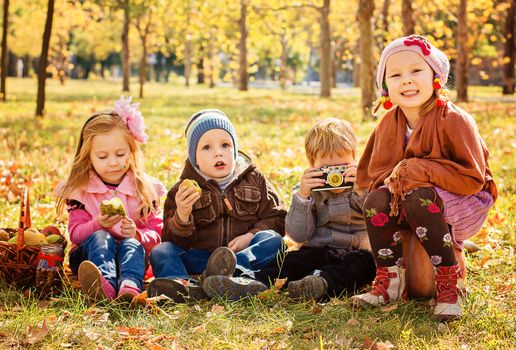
(328,219)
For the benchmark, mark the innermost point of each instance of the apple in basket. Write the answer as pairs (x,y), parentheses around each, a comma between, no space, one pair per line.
(4,235)
(112,207)
(51,230)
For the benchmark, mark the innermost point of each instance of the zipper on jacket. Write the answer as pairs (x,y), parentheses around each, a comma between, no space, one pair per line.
(226,221)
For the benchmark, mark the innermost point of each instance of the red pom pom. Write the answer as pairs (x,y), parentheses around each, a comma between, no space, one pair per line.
(440,102)
(387,104)
(437,85)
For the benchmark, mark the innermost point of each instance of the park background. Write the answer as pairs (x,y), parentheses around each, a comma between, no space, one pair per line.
(275,67)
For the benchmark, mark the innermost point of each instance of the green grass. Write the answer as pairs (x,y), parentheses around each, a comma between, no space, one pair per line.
(271,126)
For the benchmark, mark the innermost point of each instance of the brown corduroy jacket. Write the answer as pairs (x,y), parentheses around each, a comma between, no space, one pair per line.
(249,204)
(444,150)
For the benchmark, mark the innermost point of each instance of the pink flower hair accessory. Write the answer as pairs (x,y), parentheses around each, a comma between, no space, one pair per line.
(132,117)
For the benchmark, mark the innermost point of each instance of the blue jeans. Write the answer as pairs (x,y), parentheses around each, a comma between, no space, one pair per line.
(117,260)
(171,261)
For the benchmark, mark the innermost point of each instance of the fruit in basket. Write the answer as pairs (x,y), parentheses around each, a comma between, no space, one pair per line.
(4,235)
(51,230)
(31,237)
(191,183)
(54,239)
(112,207)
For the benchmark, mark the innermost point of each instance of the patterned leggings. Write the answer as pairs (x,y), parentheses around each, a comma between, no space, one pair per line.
(421,213)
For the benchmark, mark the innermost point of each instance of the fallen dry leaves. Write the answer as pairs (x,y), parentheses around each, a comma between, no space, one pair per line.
(217,309)
(36,334)
(389,308)
(376,345)
(146,337)
(352,322)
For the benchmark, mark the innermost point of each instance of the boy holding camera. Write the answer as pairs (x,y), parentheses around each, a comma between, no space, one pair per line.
(326,216)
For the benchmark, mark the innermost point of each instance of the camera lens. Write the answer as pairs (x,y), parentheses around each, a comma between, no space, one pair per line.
(335,179)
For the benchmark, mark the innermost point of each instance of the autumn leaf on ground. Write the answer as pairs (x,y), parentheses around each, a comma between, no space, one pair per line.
(389,308)
(497,219)
(217,309)
(316,309)
(35,334)
(279,283)
(142,299)
(134,331)
(200,328)
(374,345)
(152,343)
(352,322)
(279,330)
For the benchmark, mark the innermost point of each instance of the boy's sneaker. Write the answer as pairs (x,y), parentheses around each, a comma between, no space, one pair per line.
(233,288)
(309,287)
(92,282)
(221,262)
(179,290)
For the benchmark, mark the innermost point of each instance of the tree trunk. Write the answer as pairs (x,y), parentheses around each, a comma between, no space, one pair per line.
(334,66)
(200,71)
(200,65)
(211,62)
(26,66)
(43,60)
(325,72)
(143,64)
(365,14)
(283,59)
(385,22)
(461,67)
(509,50)
(357,65)
(188,59)
(242,46)
(125,47)
(102,68)
(3,60)
(407,17)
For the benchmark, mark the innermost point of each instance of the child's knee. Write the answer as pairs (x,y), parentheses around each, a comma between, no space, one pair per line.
(163,251)
(102,238)
(420,198)
(378,200)
(272,237)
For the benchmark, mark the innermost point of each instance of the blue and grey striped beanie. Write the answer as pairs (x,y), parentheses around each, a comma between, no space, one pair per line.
(203,121)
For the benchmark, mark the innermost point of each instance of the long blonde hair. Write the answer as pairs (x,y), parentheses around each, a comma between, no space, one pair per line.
(79,175)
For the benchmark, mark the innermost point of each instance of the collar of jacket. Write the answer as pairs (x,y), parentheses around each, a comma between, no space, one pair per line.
(95,185)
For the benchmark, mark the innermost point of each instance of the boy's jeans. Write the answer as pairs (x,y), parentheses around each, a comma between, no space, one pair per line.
(125,257)
(171,261)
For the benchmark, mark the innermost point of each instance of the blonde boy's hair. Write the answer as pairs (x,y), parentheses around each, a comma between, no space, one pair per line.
(79,175)
(330,136)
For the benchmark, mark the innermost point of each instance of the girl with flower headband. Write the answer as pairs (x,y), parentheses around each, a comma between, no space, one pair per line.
(433,182)
(109,252)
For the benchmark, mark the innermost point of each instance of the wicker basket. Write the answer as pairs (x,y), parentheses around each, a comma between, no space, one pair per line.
(18,261)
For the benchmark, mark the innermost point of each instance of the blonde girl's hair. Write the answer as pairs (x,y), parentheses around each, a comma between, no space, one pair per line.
(330,136)
(79,175)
